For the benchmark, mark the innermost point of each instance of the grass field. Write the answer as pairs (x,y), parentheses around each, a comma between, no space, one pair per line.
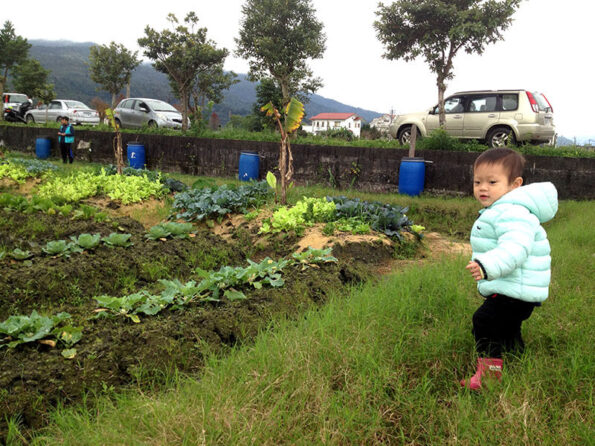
(381,365)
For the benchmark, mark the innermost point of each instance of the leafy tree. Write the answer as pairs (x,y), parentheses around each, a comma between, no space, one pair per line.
(210,84)
(13,50)
(112,66)
(182,53)
(438,29)
(267,91)
(30,77)
(46,94)
(278,37)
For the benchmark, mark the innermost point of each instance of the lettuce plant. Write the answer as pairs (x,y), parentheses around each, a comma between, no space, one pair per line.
(117,239)
(23,329)
(19,254)
(87,241)
(61,248)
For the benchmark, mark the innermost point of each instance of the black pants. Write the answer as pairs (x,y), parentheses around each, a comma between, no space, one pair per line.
(497,325)
(66,150)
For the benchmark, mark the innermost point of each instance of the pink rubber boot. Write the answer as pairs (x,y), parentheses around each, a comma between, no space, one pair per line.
(486,368)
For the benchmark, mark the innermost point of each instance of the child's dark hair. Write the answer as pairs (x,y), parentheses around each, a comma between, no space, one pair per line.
(66,118)
(512,161)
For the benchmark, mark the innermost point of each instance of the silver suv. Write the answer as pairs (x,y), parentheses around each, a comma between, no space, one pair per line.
(138,112)
(498,117)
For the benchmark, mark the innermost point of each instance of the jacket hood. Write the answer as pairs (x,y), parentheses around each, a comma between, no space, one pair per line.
(541,199)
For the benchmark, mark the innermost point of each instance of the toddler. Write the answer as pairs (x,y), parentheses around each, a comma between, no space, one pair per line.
(511,256)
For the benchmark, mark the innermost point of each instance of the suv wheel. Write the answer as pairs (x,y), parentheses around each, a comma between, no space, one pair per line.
(30,119)
(404,135)
(500,137)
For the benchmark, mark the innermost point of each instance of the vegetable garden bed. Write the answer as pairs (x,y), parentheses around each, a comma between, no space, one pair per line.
(79,262)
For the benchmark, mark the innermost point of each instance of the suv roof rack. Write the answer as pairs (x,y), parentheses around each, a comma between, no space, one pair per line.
(490,91)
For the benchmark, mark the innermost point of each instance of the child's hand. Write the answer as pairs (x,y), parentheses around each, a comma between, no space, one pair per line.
(475,270)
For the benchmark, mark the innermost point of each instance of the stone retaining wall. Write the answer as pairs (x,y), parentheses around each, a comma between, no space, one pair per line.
(372,169)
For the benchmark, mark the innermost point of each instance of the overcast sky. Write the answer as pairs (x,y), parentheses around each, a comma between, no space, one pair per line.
(548,49)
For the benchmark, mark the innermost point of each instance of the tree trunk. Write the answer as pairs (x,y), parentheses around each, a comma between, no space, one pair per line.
(184,97)
(118,152)
(441,113)
(113,100)
(283,168)
(127,90)
(2,85)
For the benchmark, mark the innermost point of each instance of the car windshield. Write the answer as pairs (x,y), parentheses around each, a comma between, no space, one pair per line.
(160,106)
(76,104)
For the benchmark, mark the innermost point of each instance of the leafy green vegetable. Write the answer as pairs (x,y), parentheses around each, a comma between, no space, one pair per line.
(157,232)
(312,256)
(381,217)
(60,248)
(87,241)
(18,254)
(227,282)
(202,204)
(23,329)
(117,239)
(164,230)
(88,183)
(305,212)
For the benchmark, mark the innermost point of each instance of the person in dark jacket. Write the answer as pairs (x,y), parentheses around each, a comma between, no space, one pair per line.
(66,139)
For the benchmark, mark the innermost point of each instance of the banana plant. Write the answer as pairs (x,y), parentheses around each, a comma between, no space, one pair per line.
(118,152)
(292,119)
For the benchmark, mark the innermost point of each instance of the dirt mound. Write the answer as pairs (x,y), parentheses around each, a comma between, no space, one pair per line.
(114,352)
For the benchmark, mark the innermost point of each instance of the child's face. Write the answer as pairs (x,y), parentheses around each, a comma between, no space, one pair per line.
(490,182)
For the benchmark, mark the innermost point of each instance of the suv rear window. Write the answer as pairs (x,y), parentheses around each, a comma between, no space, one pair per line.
(15,98)
(542,102)
(510,102)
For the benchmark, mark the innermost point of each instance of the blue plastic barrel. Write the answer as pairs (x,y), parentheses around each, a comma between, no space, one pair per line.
(43,148)
(412,174)
(249,166)
(136,155)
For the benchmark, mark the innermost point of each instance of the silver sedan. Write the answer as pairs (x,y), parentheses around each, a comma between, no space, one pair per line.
(76,111)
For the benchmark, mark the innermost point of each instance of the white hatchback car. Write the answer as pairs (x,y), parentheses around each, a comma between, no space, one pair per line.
(497,117)
(76,111)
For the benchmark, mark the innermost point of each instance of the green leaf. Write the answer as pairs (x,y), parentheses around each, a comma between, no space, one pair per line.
(234,295)
(294,113)
(272,180)
(69,353)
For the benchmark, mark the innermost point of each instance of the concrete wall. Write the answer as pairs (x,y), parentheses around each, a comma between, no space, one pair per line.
(370,169)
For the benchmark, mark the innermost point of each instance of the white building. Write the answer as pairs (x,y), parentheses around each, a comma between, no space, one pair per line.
(328,121)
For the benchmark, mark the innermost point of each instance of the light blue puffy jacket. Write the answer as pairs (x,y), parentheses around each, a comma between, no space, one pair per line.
(512,246)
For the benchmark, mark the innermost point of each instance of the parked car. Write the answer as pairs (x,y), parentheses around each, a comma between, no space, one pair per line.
(14,100)
(138,112)
(496,117)
(76,111)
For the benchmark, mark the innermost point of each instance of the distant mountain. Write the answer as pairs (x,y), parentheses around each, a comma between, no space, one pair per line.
(67,62)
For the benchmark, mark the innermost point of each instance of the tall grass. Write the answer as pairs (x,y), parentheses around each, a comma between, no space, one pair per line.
(380,366)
